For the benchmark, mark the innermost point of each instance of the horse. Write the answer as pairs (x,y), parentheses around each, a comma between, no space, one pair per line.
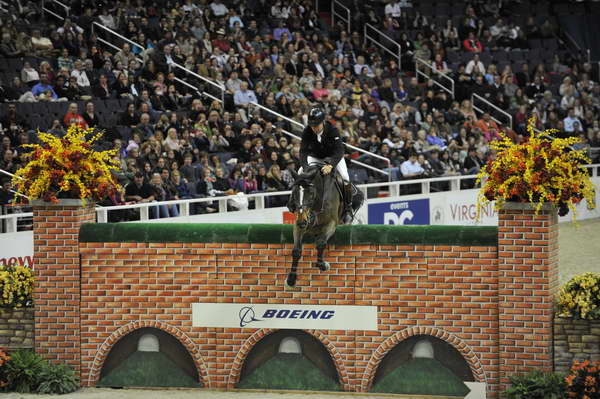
(319,214)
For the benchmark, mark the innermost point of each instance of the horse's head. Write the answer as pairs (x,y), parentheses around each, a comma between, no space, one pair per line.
(307,213)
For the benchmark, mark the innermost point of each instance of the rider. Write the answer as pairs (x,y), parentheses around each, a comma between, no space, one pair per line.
(321,143)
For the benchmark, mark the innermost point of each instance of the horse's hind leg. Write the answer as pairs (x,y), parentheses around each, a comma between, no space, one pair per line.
(296,254)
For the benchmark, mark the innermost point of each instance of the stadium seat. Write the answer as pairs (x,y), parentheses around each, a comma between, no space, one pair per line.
(358,176)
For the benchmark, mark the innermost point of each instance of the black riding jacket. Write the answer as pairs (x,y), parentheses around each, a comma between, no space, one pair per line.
(330,149)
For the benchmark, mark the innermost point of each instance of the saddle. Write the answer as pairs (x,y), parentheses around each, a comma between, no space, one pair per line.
(306,180)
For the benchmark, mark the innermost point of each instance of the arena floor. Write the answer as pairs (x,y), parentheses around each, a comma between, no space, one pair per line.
(579,248)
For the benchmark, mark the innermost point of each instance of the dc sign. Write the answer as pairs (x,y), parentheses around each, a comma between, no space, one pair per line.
(400,212)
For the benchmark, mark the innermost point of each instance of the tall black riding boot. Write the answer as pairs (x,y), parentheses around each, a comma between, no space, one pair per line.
(347,216)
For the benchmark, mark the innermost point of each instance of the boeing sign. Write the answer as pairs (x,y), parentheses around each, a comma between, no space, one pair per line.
(284,316)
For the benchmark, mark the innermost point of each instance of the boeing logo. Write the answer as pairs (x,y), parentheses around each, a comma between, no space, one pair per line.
(248,316)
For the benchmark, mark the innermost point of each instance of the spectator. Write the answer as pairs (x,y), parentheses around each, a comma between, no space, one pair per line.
(90,116)
(475,66)
(42,46)
(243,97)
(161,194)
(571,122)
(411,168)
(72,117)
(472,45)
(44,89)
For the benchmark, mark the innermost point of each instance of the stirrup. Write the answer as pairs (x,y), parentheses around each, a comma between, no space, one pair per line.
(347,217)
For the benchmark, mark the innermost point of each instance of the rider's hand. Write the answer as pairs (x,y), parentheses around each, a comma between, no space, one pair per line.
(326,169)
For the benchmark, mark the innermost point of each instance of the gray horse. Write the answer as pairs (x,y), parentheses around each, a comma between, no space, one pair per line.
(318,215)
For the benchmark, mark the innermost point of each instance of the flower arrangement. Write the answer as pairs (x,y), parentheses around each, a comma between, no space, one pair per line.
(67,167)
(580,297)
(584,380)
(16,286)
(4,358)
(541,170)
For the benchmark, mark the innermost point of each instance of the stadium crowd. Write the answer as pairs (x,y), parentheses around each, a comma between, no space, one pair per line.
(175,143)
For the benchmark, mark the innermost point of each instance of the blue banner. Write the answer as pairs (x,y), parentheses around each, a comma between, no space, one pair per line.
(400,212)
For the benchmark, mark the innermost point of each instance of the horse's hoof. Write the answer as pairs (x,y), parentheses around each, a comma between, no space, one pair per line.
(322,266)
(291,280)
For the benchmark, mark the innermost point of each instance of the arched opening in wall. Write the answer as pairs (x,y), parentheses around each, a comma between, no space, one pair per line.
(149,357)
(423,365)
(289,359)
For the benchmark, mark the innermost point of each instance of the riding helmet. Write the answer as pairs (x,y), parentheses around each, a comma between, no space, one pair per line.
(316,116)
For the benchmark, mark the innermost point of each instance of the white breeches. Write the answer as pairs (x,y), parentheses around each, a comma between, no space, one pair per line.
(341,167)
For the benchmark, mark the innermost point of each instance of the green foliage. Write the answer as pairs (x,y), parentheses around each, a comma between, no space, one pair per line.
(537,385)
(23,371)
(422,377)
(57,379)
(28,372)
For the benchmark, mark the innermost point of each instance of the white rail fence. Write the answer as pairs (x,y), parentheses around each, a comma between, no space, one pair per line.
(395,189)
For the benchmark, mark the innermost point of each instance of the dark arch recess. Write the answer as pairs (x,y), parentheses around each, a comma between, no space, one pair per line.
(268,346)
(444,353)
(169,345)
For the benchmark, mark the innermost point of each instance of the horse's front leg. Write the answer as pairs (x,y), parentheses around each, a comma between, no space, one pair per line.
(296,255)
(321,243)
(321,264)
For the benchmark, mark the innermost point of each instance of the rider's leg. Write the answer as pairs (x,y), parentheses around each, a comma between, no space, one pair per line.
(342,169)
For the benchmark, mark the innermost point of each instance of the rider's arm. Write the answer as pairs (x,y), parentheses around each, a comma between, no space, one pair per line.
(338,148)
(304,150)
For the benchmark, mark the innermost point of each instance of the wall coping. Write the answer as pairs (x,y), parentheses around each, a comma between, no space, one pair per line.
(61,202)
(526,206)
(283,234)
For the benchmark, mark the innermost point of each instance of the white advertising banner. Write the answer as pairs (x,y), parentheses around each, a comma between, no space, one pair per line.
(460,208)
(17,249)
(320,317)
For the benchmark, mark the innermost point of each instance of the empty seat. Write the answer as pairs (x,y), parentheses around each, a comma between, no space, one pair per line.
(535,43)
(550,44)
(517,55)
(500,56)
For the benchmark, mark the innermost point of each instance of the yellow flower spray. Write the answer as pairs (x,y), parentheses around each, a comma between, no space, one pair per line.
(67,166)
(541,170)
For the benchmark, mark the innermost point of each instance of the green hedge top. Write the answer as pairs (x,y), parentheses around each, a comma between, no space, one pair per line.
(282,234)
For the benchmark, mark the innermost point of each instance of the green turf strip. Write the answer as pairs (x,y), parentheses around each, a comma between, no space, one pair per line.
(282,234)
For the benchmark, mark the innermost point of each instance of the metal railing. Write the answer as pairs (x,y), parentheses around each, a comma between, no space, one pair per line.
(354,148)
(394,189)
(494,108)
(383,41)
(427,70)
(58,3)
(337,10)
(222,94)
(220,90)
